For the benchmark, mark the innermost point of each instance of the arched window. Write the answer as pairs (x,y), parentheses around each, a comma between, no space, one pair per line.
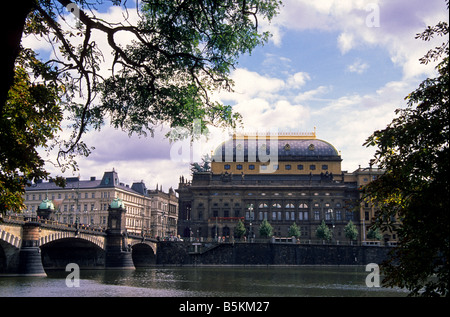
(289,205)
(303,205)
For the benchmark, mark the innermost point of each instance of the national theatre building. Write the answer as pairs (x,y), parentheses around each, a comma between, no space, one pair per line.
(285,178)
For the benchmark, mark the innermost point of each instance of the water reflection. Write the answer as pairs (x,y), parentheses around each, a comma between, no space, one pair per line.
(203,281)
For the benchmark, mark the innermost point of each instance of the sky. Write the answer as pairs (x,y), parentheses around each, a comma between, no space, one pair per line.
(341,67)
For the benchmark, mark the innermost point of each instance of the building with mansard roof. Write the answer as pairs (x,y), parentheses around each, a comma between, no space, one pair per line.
(285,178)
(152,212)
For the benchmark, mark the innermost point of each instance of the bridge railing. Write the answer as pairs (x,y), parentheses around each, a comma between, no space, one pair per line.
(21,219)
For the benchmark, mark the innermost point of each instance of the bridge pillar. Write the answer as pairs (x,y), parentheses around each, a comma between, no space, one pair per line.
(118,253)
(30,261)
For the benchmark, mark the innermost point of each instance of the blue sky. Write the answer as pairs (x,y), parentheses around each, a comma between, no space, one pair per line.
(324,67)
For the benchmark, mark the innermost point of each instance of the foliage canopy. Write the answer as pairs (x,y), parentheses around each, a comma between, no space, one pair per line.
(412,195)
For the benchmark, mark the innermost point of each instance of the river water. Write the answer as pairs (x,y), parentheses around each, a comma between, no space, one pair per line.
(202,282)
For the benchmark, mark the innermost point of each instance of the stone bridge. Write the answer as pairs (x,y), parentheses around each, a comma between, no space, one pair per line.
(31,246)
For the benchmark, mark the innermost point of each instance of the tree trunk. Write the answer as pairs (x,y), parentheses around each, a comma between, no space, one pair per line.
(12,28)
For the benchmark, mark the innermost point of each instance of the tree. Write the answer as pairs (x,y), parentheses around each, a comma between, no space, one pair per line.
(31,116)
(240,230)
(374,234)
(265,229)
(350,231)
(181,52)
(294,231)
(323,232)
(412,195)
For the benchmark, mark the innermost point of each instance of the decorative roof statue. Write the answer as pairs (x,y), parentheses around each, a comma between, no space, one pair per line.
(205,167)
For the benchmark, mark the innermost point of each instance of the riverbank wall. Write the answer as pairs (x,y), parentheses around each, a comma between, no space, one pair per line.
(186,254)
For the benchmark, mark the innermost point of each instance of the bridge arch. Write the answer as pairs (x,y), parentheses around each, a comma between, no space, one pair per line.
(59,252)
(143,254)
(58,235)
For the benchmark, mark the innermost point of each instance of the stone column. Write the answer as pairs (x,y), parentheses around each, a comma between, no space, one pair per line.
(30,261)
(118,254)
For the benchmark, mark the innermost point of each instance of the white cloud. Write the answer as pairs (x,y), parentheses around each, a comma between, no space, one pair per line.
(358,67)
(298,80)
(266,102)
(249,84)
(259,114)
(349,120)
(399,22)
(346,42)
(312,94)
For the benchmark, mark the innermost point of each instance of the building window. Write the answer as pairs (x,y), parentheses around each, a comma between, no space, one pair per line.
(324,167)
(349,215)
(338,215)
(287,167)
(312,167)
(239,167)
(300,167)
(227,166)
(316,215)
(290,215)
(251,167)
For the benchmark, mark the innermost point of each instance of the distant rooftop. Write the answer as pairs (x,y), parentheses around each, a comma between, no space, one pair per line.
(110,179)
